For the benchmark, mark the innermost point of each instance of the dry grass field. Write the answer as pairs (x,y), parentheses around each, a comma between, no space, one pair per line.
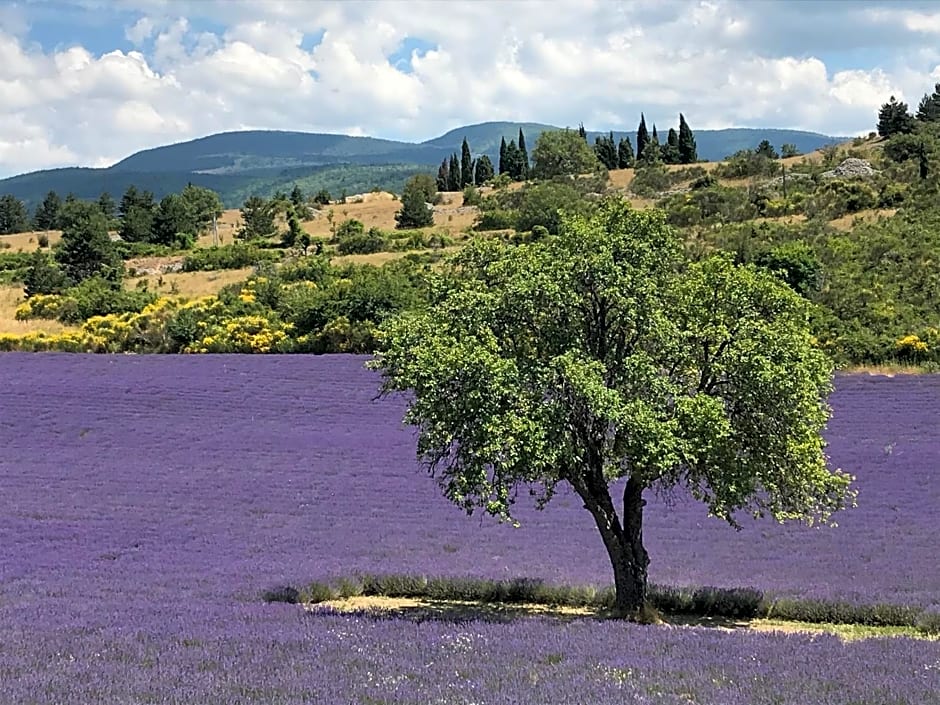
(189,284)
(27,242)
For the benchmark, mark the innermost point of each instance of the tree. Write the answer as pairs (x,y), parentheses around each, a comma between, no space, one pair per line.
(137,210)
(172,223)
(466,164)
(443,176)
(106,205)
(688,152)
(894,118)
(203,206)
(86,249)
(47,212)
(257,219)
(788,149)
(293,236)
(453,174)
(415,212)
(43,276)
(582,133)
(605,149)
(502,156)
(523,157)
(484,169)
(298,202)
(766,149)
(642,138)
(929,108)
(602,360)
(561,153)
(625,158)
(323,197)
(14,218)
(670,150)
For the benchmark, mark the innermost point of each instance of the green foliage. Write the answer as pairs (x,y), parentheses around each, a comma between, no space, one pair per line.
(349,228)
(99,297)
(670,151)
(322,197)
(43,276)
(47,212)
(14,218)
(235,256)
(642,138)
(415,213)
(688,152)
(86,249)
(363,243)
(562,153)
(563,360)
(625,157)
(787,149)
(766,149)
(257,219)
(894,118)
(495,219)
(796,264)
(747,163)
(136,210)
(472,196)
(710,205)
(484,170)
(649,181)
(837,197)
(466,165)
(605,149)
(535,204)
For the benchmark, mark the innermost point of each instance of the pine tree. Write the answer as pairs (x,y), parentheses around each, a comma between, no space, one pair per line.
(43,276)
(137,210)
(625,158)
(523,157)
(47,212)
(106,205)
(894,118)
(453,173)
(14,218)
(670,150)
(86,249)
(484,170)
(443,176)
(414,211)
(688,153)
(503,166)
(929,108)
(642,138)
(466,164)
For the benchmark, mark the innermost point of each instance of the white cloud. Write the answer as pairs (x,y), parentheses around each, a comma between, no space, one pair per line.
(722,63)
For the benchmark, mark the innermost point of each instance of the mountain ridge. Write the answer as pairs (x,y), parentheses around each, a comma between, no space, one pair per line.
(238,163)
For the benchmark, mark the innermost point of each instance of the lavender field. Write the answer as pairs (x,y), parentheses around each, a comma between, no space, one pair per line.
(147,502)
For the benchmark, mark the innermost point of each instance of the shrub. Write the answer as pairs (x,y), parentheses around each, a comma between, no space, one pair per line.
(235,256)
(363,243)
(472,196)
(495,220)
(97,297)
(648,181)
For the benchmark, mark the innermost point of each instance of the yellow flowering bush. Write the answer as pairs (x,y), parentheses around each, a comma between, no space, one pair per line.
(244,334)
(46,306)
(911,347)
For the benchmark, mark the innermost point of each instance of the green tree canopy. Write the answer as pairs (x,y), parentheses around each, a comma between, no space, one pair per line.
(642,137)
(560,153)
(670,151)
(14,218)
(929,108)
(523,157)
(47,212)
(86,249)
(137,210)
(484,169)
(602,360)
(894,118)
(625,157)
(257,219)
(688,152)
(466,164)
(414,213)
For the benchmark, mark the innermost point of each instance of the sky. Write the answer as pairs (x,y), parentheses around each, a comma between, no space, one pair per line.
(88,82)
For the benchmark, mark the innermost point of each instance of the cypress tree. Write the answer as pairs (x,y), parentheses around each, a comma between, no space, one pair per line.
(606,150)
(625,158)
(484,170)
(513,161)
(523,157)
(670,150)
(642,138)
(466,164)
(443,176)
(453,174)
(688,153)
(503,166)
(582,131)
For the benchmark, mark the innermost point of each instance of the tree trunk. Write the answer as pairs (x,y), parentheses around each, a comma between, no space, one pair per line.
(624,544)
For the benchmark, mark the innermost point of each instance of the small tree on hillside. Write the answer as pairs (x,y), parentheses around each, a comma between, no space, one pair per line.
(523,157)
(43,276)
(929,108)
(561,153)
(503,166)
(766,149)
(642,138)
(484,169)
(107,205)
(443,176)
(605,149)
(257,219)
(14,218)
(136,210)
(601,360)
(453,174)
(670,150)
(466,165)
(688,152)
(415,211)
(894,118)
(47,212)
(86,249)
(625,157)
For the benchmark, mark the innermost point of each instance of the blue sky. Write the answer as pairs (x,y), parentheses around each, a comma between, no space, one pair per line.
(88,82)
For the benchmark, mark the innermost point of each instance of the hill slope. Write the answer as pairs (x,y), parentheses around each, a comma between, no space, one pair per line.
(236,164)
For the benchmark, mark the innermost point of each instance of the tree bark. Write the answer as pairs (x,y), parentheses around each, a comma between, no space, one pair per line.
(624,543)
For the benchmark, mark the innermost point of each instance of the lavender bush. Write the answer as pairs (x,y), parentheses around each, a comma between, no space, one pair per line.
(148,502)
